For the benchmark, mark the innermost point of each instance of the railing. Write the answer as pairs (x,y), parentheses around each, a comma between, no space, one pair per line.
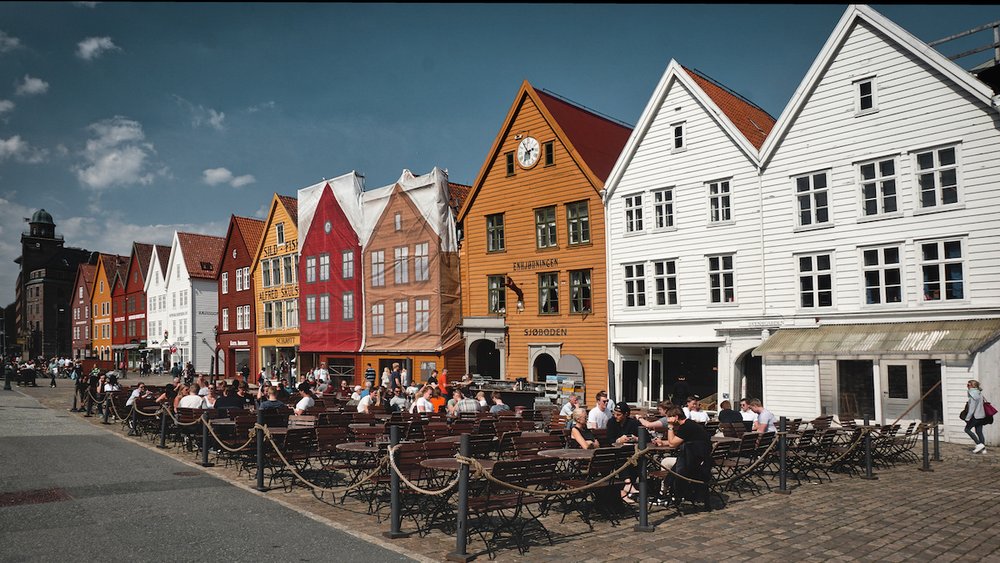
(995,45)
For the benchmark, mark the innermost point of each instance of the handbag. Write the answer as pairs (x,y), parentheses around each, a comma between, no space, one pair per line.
(991,411)
(965,411)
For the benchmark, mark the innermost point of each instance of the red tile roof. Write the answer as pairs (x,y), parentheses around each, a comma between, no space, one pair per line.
(597,139)
(292,206)
(88,271)
(753,122)
(202,254)
(457,194)
(163,255)
(251,229)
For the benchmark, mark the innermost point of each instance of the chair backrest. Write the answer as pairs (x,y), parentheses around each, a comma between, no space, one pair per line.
(822,422)
(439,449)
(530,472)
(529,446)
(462,426)
(415,431)
(711,427)
(299,440)
(606,460)
(276,418)
(408,456)
(482,445)
(368,434)
(302,421)
(505,448)
(485,426)
(732,429)
(188,415)
(327,437)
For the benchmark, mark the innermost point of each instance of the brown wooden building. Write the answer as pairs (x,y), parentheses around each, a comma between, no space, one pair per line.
(533,253)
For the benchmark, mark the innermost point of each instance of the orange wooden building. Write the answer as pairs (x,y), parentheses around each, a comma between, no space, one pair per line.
(533,255)
(108,266)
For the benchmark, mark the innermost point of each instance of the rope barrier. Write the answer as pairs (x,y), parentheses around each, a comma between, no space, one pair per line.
(179,423)
(746,471)
(219,441)
(411,484)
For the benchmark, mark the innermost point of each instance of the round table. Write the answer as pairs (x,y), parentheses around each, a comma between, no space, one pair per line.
(451,464)
(454,439)
(357,448)
(567,454)
(357,425)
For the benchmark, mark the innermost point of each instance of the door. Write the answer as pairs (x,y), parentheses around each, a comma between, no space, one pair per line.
(630,381)
(900,390)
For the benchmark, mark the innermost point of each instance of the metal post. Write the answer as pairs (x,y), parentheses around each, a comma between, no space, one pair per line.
(783,457)
(107,410)
(926,454)
(76,394)
(163,428)
(462,516)
(396,517)
(937,445)
(7,374)
(643,525)
(90,404)
(204,442)
(260,451)
(868,452)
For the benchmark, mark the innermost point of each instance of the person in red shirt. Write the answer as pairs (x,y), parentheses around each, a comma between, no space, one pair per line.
(443,382)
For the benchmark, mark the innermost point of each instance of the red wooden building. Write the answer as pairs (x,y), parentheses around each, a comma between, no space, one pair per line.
(237,323)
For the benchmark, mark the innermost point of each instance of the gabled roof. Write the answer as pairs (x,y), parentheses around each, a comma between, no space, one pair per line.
(902,38)
(163,257)
(456,195)
(142,252)
(86,273)
(251,229)
(202,254)
(112,263)
(593,141)
(751,120)
(291,206)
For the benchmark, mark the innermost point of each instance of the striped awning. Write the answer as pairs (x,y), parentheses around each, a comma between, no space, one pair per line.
(948,340)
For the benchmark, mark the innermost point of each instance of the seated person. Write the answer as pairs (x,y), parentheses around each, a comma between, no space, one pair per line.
(272,402)
(230,400)
(423,403)
(622,428)
(498,404)
(581,436)
(138,393)
(437,399)
(694,448)
(372,402)
(306,400)
(693,410)
(727,414)
(193,400)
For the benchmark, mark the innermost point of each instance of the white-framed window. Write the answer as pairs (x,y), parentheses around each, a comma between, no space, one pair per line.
(102,282)
(173,302)
(578,222)
(422,315)
(246,317)
(324,307)
(663,208)
(545,227)
(548,293)
(495,231)
(310,269)
(279,233)
(665,282)
(239,317)
(324,267)
(878,187)
(815,280)
(239,279)
(883,274)
(401,265)
(225,282)
(276,271)
(865,96)
(348,306)
(721,279)
(633,213)
(347,264)
(265,273)
(942,267)
(937,177)
(310,308)
(720,202)
(290,274)
(279,314)
(378,319)
(421,261)
(402,317)
(635,285)
(292,313)
(679,136)
(496,288)
(398,222)
(225,319)
(378,268)
(268,316)
(812,199)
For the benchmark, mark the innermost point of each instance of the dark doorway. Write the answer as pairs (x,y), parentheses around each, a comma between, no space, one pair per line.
(751,368)
(543,365)
(699,365)
(856,388)
(930,375)
(486,358)
(630,381)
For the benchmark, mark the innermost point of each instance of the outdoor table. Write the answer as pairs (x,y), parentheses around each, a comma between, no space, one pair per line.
(357,448)
(357,425)
(567,454)
(450,439)
(451,465)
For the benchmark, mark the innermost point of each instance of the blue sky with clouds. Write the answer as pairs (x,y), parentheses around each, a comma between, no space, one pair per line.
(128,121)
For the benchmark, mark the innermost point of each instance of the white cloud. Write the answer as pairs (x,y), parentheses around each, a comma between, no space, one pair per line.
(261,107)
(215,119)
(18,149)
(31,86)
(5,106)
(93,47)
(262,210)
(216,176)
(117,155)
(201,115)
(8,43)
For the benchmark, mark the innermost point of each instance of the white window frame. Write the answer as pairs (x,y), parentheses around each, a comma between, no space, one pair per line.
(268,316)
(398,222)
(421,315)
(246,277)
(279,233)
(310,269)
(814,275)
(935,172)
(239,279)
(378,319)
(941,265)
(401,265)
(859,95)
(546,235)
(225,319)
(402,316)
(347,308)
(881,267)
(663,281)
(717,279)
(663,208)
(291,313)
(289,268)
(813,195)
(720,201)
(578,224)
(225,283)
(324,267)
(879,182)
(347,264)
(635,285)
(633,213)
(324,308)
(678,131)
(378,268)
(421,262)
(310,308)
(279,314)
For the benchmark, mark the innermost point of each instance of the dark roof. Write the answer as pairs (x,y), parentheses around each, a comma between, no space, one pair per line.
(202,254)
(598,139)
(163,255)
(87,271)
(752,121)
(143,252)
(292,206)
(457,194)
(251,229)
(112,264)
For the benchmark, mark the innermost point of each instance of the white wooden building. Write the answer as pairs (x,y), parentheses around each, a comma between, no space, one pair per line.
(157,323)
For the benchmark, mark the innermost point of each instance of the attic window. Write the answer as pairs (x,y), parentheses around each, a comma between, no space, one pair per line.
(866,99)
(279,232)
(510,163)
(207,266)
(398,222)
(680,141)
(550,153)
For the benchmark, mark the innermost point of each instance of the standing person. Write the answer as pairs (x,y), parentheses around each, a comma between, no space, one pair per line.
(975,416)
(322,374)
(598,417)
(765,418)
(370,375)
(443,382)
(386,376)
(681,390)
(394,378)
(404,378)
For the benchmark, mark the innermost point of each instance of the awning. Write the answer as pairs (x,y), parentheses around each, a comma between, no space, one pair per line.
(947,340)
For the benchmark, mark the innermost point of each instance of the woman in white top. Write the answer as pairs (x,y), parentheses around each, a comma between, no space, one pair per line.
(386,380)
(423,404)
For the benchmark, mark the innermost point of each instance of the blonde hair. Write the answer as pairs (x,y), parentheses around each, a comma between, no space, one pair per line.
(974,383)
(579,413)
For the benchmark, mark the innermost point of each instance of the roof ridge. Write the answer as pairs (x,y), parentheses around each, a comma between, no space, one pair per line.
(726,88)
(587,109)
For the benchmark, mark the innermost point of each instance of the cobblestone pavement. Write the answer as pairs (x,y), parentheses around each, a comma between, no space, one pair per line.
(944,515)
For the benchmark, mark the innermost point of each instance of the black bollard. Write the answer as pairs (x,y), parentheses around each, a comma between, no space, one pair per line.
(927,457)
(204,442)
(937,445)
(783,457)
(868,452)
(90,405)
(643,525)
(163,428)
(107,410)
(396,517)
(75,396)
(462,516)
(260,452)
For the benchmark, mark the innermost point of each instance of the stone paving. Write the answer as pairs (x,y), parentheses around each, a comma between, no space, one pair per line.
(944,515)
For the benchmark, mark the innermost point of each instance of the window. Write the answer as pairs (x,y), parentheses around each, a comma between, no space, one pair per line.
(348,306)
(310,269)
(719,202)
(494,233)
(545,227)
(402,317)
(815,281)
(878,187)
(324,267)
(635,285)
(883,275)
(173,302)
(811,195)
(937,177)
(279,314)
(942,267)
(679,141)
(81,292)
(279,232)
(865,100)
(225,282)
(239,317)
(421,262)
(292,313)
(663,208)
(397,221)
(665,282)
(268,316)
(102,284)
(225,319)
(324,307)
(401,267)
(289,270)
(239,279)
(310,308)
(720,278)
(509,163)
(378,268)
(548,293)
(276,271)
(246,317)
(578,222)
(347,264)
(579,292)
(265,273)
(633,213)
(378,319)
(422,315)
(496,288)
(549,150)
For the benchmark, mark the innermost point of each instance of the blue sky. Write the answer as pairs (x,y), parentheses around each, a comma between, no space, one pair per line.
(128,121)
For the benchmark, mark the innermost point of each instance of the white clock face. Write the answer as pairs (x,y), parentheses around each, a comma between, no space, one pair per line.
(234,253)
(527,152)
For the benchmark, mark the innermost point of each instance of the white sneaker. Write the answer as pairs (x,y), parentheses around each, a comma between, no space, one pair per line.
(978,448)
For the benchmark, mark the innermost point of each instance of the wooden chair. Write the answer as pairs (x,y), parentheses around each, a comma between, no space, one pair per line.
(511,509)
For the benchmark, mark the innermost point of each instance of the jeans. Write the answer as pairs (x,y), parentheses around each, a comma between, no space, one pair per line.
(976,424)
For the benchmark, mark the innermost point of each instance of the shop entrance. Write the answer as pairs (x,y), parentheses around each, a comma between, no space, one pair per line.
(699,365)
(543,365)
(856,389)
(751,380)
(900,389)
(485,358)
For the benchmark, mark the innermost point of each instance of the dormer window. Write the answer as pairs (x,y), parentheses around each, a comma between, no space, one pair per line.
(279,232)
(866,100)
(679,134)
(398,220)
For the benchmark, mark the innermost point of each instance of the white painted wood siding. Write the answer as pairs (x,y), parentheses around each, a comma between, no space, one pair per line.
(790,389)
(205,309)
(156,287)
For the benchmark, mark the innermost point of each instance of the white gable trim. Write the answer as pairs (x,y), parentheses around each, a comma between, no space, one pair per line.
(840,34)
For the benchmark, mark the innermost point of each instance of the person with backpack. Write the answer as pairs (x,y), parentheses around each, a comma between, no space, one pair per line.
(975,416)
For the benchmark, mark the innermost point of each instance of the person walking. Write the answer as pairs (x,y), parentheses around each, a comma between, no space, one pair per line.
(975,416)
